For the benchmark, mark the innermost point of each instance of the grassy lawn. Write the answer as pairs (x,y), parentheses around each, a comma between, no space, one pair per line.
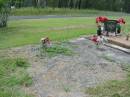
(113,88)
(62,11)
(13,77)
(24,32)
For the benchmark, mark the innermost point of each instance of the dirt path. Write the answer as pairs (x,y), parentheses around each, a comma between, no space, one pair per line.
(68,76)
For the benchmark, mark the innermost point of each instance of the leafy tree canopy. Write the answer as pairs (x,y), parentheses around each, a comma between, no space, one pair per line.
(2,2)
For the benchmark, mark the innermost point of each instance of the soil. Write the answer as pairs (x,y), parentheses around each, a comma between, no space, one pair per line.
(69,76)
(121,41)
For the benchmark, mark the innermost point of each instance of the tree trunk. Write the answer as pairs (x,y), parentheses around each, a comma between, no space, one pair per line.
(3,17)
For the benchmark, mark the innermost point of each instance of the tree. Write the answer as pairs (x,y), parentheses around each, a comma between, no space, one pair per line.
(4,12)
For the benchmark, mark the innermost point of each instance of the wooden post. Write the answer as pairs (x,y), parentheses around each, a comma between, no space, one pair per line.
(127,37)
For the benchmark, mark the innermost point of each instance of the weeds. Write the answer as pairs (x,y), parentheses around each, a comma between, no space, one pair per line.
(113,88)
(20,62)
(13,75)
(56,50)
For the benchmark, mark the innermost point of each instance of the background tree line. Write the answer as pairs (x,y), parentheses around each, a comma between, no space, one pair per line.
(111,5)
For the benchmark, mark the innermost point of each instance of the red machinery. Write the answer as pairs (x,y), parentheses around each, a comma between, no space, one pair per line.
(102,19)
(109,26)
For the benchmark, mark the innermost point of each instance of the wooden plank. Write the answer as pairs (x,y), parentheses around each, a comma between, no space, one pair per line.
(118,47)
(120,41)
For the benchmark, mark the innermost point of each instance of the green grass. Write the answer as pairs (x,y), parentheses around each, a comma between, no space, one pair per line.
(113,88)
(62,11)
(13,76)
(67,88)
(24,32)
(108,58)
(56,49)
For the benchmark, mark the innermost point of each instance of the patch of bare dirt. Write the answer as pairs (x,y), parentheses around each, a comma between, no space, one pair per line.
(68,76)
